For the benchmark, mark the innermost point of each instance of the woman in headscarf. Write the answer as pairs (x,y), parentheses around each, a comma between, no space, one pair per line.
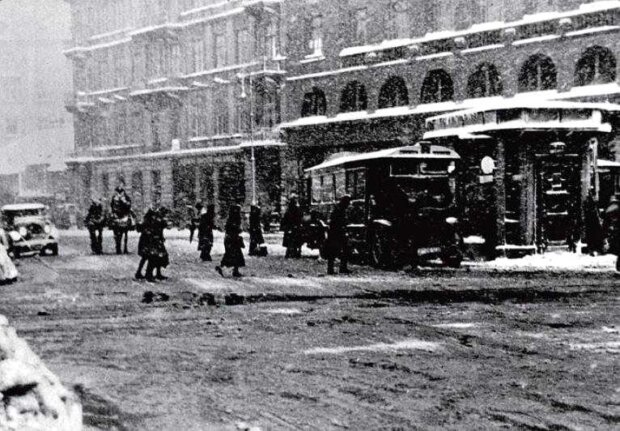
(206,224)
(233,243)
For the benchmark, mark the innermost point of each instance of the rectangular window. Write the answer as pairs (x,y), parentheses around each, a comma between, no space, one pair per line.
(315,42)
(219,50)
(361,26)
(242,46)
(156,188)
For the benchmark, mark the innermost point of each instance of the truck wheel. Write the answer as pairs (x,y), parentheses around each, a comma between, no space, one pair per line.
(452,257)
(379,255)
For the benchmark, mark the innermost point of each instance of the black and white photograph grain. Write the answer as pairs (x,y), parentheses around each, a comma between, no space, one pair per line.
(309,215)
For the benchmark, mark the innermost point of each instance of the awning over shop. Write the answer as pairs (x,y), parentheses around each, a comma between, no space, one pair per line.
(531,115)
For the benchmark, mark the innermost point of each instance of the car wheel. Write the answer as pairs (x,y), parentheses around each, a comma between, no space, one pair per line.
(16,254)
(452,257)
(54,249)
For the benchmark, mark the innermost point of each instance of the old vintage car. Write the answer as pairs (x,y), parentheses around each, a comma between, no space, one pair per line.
(26,228)
(402,203)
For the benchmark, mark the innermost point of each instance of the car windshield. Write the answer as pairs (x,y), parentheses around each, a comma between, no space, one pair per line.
(10,216)
(427,192)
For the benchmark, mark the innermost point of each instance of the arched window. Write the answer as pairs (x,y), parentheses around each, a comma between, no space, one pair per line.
(353,97)
(537,73)
(484,82)
(437,87)
(393,93)
(314,103)
(597,65)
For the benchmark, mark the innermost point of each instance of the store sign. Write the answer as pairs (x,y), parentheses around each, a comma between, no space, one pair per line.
(487,165)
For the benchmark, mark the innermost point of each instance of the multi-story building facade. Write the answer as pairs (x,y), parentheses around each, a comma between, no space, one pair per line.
(365,75)
(175,99)
(171,95)
(35,78)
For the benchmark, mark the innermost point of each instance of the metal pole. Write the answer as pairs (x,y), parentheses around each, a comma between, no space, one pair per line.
(253,158)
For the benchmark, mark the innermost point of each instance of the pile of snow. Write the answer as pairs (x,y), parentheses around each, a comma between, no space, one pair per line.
(33,399)
(556,260)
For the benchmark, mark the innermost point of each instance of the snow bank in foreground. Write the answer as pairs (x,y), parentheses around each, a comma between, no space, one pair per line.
(558,260)
(33,399)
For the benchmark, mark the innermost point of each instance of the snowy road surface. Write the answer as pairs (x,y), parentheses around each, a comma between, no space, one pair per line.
(483,347)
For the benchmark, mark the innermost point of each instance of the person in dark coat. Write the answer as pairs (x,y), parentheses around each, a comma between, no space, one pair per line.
(206,224)
(337,243)
(95,221)
(159,258)
(256,232)
(593,228)
(147,230)
(611,226)
(233,243)
(292,225)
(194,218)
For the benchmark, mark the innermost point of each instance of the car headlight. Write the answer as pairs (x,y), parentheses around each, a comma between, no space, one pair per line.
(47,229)
(22,231)
(451,220)
(14,236)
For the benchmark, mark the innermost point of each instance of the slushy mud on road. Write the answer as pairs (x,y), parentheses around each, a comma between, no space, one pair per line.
(286,347)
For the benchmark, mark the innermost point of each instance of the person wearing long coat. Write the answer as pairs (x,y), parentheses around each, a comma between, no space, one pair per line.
(95,221)
(206,224)
(611,226)
(292,226)
(233,243)
(595,238)
(337,243)
(146,241)
(256,232)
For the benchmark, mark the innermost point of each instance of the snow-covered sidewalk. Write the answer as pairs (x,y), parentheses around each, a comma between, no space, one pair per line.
(551,261)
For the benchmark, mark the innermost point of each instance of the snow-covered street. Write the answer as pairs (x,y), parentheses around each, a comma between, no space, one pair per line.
(483,347)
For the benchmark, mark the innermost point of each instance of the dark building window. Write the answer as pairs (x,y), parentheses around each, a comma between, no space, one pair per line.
(220,120)
(597,65)
(137,190)
(393,93)
(314,103)
(484,82)
(437,87)
(538,73)
(156,188)
(353,97)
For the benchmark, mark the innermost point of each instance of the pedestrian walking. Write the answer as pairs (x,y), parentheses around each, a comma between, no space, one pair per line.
(337,243)
(160,258)
(122,221)
(292,225)
(595,238)
(233,243)
(151,245)
(95,221)
(194,219)
(611,226)
(145,243)
(257,241)
(206,224)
